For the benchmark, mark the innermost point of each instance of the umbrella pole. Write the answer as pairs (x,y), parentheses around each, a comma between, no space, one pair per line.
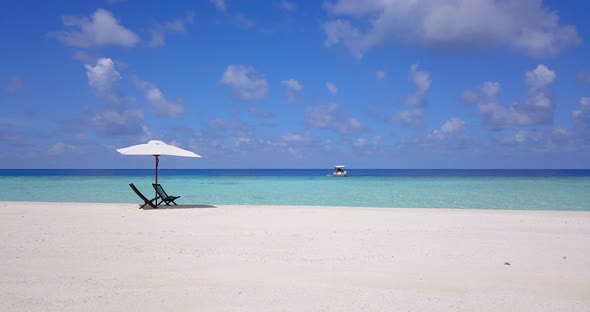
(157,161)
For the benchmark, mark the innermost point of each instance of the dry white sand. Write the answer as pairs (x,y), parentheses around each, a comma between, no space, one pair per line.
(115,257)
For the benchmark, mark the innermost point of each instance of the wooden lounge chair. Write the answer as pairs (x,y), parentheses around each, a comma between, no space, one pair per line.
(164,198)
(146,201)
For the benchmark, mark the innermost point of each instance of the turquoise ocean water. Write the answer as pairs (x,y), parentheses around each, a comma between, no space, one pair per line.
(485,189)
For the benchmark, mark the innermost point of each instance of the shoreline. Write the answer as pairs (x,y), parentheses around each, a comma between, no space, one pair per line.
(114,257)
(281,206)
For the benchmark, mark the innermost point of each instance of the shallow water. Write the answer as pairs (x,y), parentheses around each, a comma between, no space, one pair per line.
(484,189)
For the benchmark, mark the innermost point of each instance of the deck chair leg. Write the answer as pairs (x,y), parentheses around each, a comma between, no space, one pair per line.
(151,201)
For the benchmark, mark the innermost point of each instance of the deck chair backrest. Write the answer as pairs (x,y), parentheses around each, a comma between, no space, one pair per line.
(160,190)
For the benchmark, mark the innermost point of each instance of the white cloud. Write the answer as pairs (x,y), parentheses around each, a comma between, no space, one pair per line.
(104,78)
(471,96)
(331,116)
(322,116)
(490,89)
(561,132)
(163,107)
(10,136)
(414,118)
(112,123)
(219,5)
(451,126)
(226,137)
(339,31)
(242,21)
(294,152)
(523,136)
(451,24)
(540,78)
(293,89)
(556,140)
(84,56)
(422,81)
(380,74)
(246,84)
(235,18)
(61,147)
(332,88)
(354,124)
(295,138)
(101,29)
(287,6)
(360,142)
(581,118)
(583,77)
(449,137)
(293,143)
(536,109)
(542,139)
(260,114)
(159,31)
(118,119)
(15,84)
(292,85)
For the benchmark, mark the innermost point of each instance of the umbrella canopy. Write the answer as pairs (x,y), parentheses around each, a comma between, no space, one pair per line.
(156,148)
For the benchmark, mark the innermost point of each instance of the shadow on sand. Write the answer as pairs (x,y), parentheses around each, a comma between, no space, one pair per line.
(162,207)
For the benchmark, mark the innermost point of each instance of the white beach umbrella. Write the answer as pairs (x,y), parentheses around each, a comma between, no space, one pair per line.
(156,148)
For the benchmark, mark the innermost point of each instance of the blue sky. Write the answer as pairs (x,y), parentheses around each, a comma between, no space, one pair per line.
(296,84)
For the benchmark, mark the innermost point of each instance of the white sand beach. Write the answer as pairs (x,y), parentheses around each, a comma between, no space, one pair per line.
(116,257)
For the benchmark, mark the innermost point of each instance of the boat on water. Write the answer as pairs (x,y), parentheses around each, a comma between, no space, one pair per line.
(339,171)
